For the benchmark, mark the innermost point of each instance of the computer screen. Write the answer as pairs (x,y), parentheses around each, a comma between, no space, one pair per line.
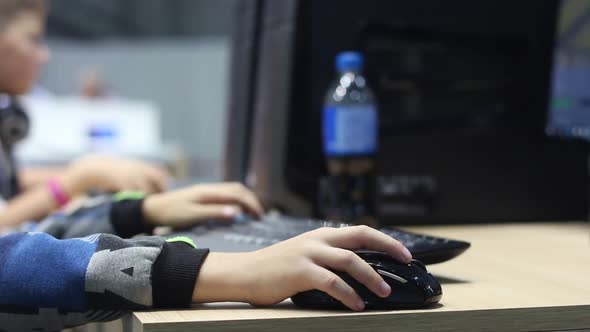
(463,92)
(569,113)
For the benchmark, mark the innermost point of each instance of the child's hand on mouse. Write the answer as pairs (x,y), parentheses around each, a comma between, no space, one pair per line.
(112,174)
(199,203)
(272,274)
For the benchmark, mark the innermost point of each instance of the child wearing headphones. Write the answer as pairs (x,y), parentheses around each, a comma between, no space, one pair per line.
(22,55)
(49,281)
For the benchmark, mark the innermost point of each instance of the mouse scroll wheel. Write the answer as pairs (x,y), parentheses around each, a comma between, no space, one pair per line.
(419,264)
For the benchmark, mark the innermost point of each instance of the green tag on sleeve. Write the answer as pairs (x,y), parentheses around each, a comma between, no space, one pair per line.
(128,195)
(184,239)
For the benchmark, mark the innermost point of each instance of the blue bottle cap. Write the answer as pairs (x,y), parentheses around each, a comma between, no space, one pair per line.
(349,61)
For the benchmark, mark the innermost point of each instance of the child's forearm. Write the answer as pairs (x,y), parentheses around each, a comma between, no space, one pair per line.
(29,206)
(31,177)
(37,203)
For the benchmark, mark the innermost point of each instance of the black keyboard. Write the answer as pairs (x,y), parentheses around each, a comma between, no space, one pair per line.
(254,234)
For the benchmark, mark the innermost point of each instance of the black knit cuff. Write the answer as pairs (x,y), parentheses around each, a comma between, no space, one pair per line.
(175,273)
(127,218)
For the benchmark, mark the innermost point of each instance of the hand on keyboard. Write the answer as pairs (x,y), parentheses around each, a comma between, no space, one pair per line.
(223,202)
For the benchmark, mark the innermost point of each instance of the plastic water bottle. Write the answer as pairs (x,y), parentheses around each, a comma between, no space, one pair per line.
(350,142)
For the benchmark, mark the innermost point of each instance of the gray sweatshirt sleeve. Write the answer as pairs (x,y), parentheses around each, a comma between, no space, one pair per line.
(101,214)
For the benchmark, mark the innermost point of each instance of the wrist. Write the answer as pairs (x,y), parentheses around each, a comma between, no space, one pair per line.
(57,192)
(127,217)
(150,210)
(224,278)
(73,183)
(174,274)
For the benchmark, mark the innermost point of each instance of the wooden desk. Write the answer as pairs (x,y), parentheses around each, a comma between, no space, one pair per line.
(515,277)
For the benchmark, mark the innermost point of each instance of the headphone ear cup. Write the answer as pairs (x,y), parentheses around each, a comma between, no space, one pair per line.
(15,128)
(14,122)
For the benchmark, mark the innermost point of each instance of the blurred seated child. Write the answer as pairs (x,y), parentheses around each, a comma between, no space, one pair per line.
(23,54)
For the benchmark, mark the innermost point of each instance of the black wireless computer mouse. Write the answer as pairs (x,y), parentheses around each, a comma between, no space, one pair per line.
(411,286)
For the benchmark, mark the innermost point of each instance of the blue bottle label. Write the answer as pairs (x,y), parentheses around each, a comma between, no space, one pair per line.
(350,130)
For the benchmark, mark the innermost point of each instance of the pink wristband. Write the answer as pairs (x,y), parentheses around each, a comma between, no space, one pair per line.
(57,192)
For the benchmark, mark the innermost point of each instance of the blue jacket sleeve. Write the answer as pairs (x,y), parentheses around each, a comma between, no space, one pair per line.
(48,284)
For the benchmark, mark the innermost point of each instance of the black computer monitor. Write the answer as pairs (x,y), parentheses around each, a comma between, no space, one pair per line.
(467,141)
(569,114)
